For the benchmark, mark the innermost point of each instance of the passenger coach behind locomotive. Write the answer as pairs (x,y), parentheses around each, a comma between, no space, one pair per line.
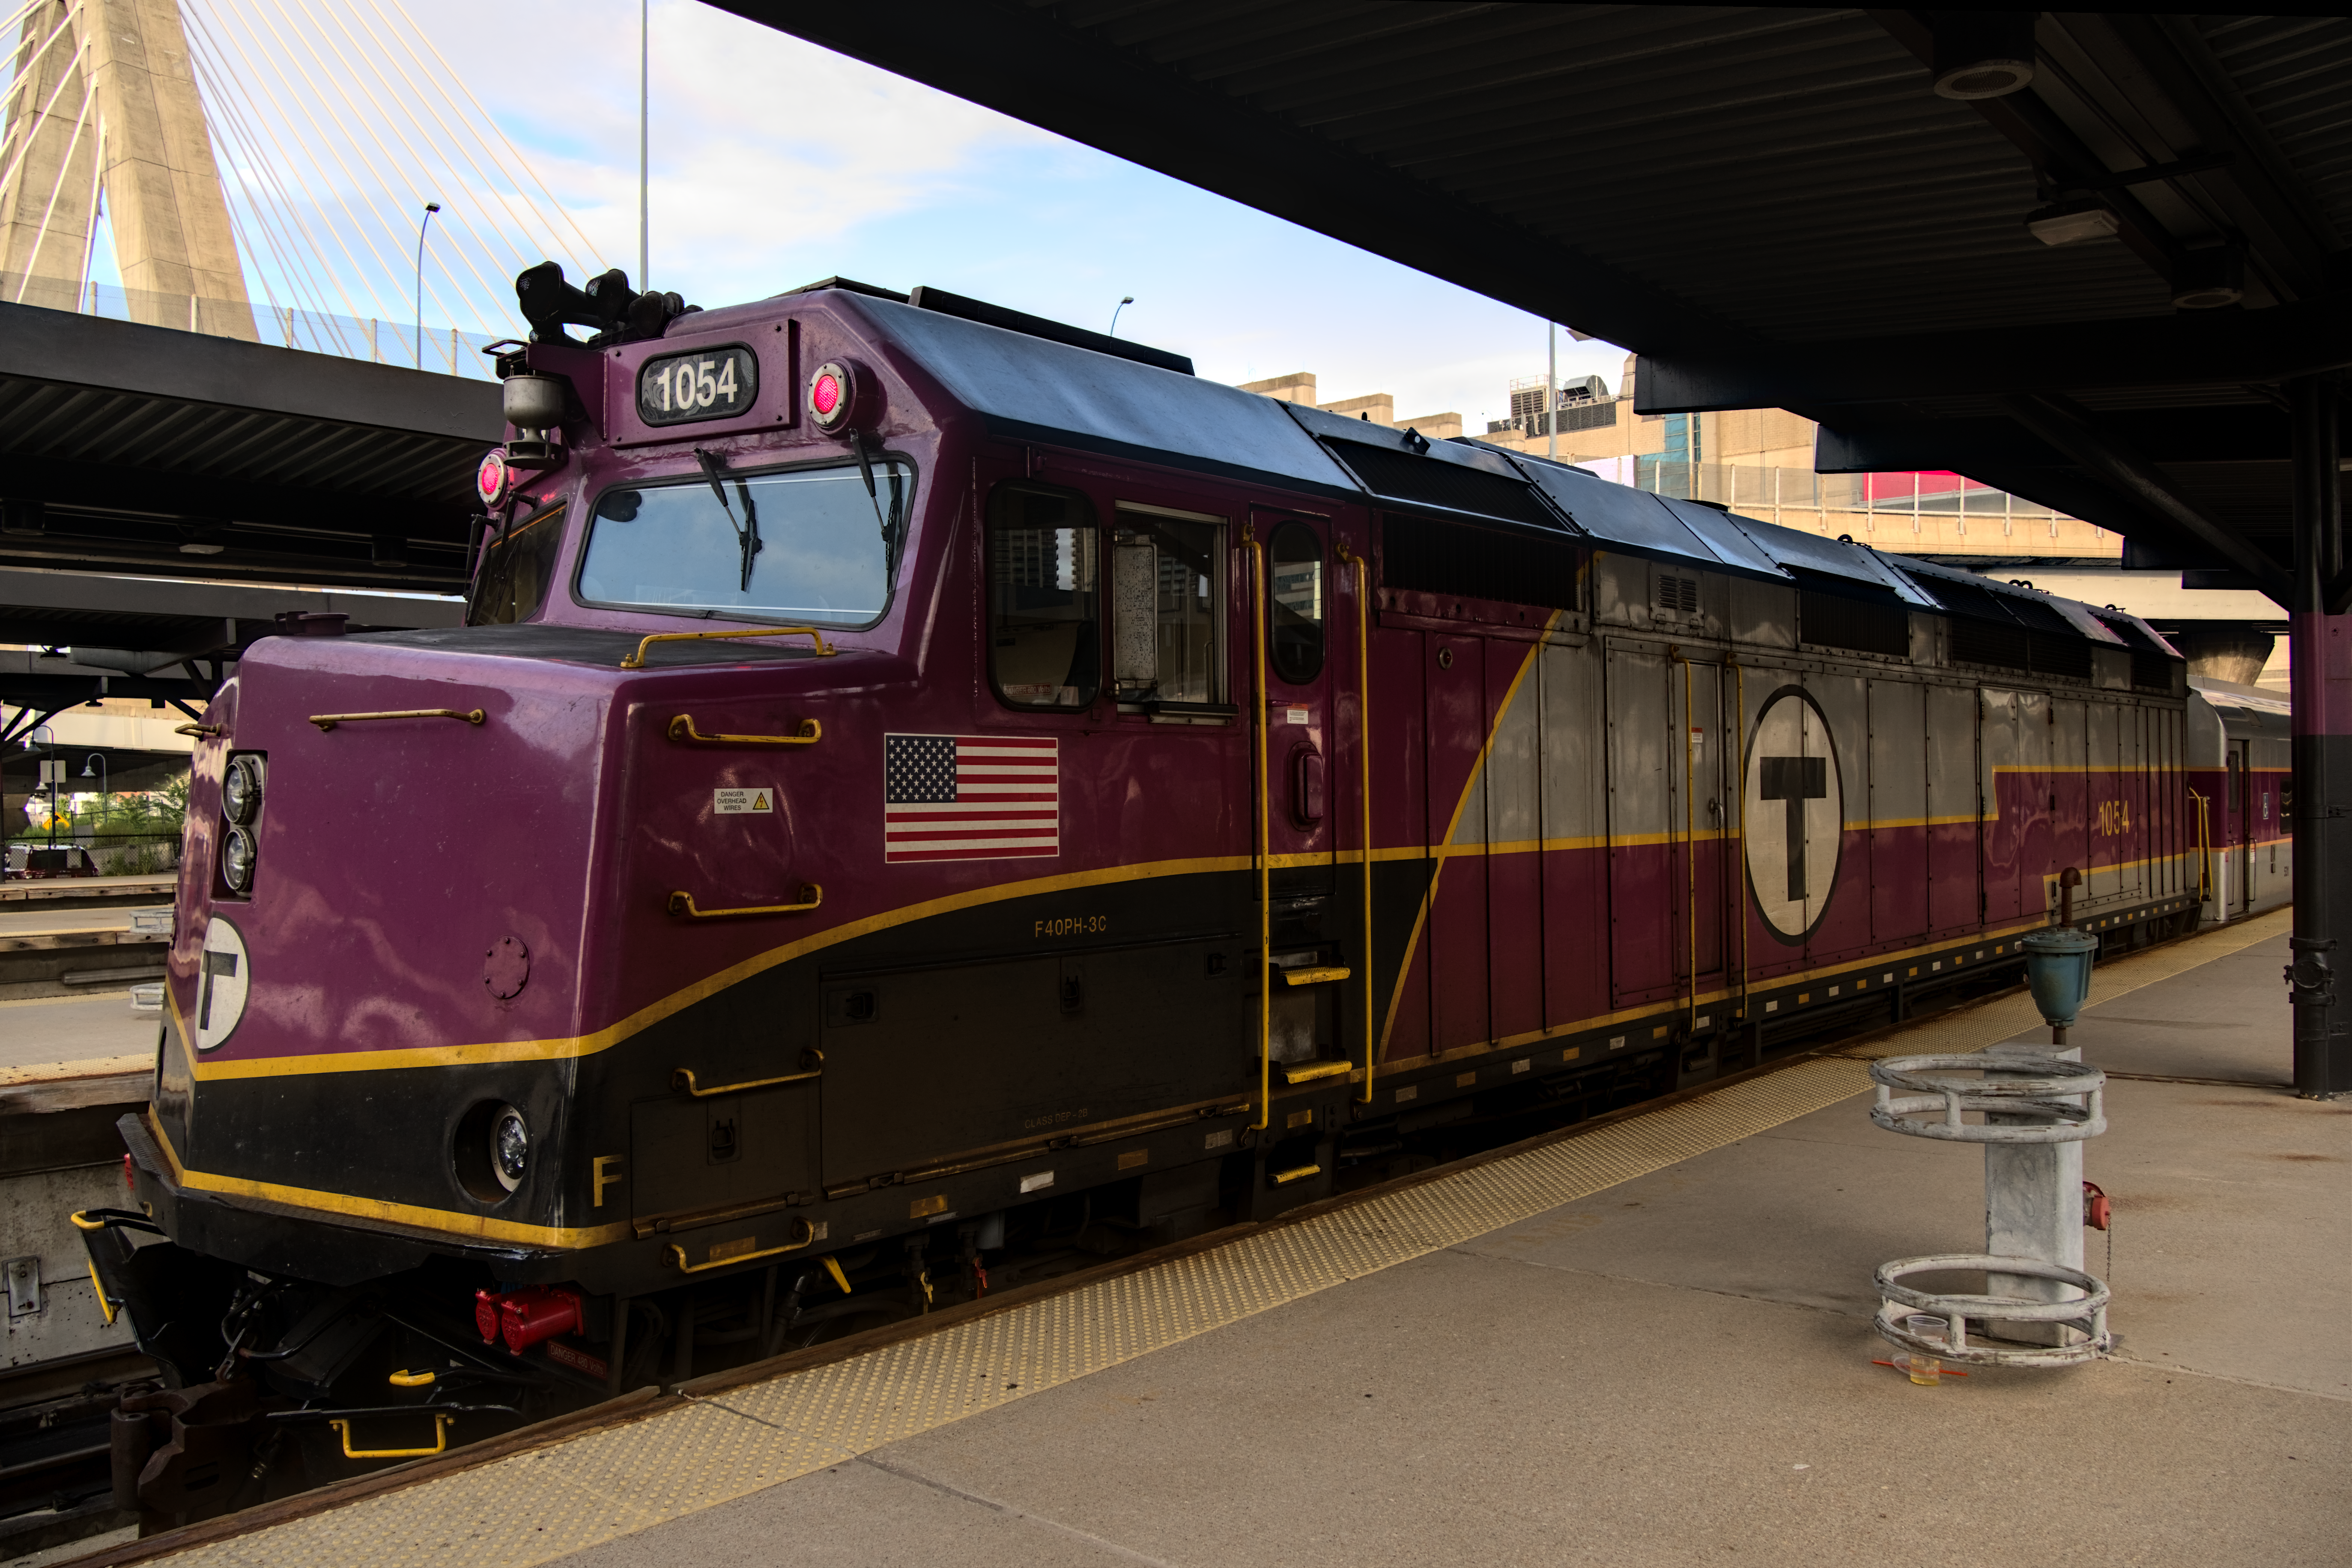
(895,822)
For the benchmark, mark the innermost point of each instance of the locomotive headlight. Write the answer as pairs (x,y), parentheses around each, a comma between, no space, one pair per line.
(241,790)
(510,1147)
(237,860)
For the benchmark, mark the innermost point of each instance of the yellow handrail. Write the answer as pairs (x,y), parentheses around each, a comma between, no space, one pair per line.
(682,731)
(1323,976)
(684,1078)
(440,1442)
(1264,845)
(327,722)
(1690,842)
(1739,860)
(1364,750)
(808,1235)
(81,1221)
(682,903)
(2205,850)
(638,659)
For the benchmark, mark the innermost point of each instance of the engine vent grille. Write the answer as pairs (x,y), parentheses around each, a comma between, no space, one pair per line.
(2151,671)
(1420,554)
(1677,596)
(1832,620)
(2064,656)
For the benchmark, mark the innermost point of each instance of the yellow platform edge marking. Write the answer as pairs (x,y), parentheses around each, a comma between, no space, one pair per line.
(535,1506)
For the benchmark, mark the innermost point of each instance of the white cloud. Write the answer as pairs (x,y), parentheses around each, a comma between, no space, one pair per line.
(775,163)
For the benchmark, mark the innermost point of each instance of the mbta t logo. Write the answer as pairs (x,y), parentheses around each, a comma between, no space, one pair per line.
(224,980)
(1795,821)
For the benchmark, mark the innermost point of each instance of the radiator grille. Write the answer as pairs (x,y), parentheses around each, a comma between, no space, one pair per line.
(1420,554)
(1832,620)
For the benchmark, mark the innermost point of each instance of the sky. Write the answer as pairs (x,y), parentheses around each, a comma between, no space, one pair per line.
(775,164)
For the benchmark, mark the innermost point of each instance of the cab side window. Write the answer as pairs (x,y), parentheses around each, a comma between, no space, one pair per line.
(516,571)
(1168,575)
(1295,567)
(1044,610)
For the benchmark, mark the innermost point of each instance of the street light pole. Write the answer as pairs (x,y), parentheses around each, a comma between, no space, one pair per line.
(1122,305)
(48,769)
(644,146)
(422,224)
(1551,388)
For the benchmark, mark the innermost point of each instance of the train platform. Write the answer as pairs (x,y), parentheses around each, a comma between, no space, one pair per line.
(1644,1341)
(68,1031)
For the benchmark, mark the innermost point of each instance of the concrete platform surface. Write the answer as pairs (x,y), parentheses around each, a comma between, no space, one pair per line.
(38,1030)
(1679,1369)
(20,919)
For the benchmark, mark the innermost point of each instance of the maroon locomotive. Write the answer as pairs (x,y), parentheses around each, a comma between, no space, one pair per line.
(919,781)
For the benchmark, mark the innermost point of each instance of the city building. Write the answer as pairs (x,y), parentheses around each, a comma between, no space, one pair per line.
(1757,462)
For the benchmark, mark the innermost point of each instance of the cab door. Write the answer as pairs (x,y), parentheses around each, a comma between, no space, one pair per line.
(1115,1003)
(1303,797)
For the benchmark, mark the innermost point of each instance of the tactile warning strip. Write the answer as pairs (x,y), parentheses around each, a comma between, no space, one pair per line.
(533,1507)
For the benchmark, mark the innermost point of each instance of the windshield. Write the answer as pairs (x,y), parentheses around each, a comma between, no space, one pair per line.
(807,546)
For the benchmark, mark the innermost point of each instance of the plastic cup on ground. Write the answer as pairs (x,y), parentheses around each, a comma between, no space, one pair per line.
(1926,1370)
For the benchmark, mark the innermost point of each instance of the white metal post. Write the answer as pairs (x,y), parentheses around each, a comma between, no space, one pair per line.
(2034,1208)
(1551,387)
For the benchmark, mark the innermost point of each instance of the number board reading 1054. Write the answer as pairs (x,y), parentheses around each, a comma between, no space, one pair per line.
(711,383)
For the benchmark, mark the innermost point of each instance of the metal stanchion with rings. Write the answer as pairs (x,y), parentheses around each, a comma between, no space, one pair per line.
(2038,1307)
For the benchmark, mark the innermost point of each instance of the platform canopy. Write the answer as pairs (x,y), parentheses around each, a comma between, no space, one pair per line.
(1785,208)
(144,449)
(165,495)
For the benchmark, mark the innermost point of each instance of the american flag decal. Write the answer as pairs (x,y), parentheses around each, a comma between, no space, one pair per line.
(971,797)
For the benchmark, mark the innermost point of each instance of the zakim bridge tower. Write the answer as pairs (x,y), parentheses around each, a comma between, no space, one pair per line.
(106,104)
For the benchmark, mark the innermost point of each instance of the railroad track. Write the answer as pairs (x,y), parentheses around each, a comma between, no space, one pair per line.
(57,1482)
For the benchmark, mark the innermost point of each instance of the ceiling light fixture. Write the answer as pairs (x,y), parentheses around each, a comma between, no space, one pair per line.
(1984,54)
(2211,279)
(2067,223)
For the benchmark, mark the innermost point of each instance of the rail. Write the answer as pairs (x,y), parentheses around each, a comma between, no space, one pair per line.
(440,1442)
(327,722)
(824,649)
(1264,843)
(682,731)
(2204,849)
(682,904)
(683,1079)
(808,1235)
(1364,753)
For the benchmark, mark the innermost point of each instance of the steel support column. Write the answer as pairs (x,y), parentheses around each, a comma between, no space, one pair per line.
(2321,650)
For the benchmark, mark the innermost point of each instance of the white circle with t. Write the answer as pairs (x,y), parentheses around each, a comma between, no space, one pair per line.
(1795,819)
(224,977)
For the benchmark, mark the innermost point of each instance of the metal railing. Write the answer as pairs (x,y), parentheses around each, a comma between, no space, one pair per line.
(445,350)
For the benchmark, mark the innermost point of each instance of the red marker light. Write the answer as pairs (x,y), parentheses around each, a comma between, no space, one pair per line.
(835,399)
(491,479)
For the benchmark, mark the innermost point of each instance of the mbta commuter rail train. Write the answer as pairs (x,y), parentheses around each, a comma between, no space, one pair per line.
(920,786)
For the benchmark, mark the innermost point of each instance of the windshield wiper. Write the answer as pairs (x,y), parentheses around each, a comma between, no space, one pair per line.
(747,533)
(889,524)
